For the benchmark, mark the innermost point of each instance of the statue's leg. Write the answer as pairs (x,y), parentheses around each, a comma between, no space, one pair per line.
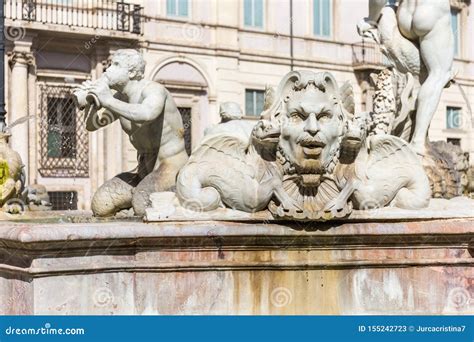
(161,179)
(437,51)
(114,195)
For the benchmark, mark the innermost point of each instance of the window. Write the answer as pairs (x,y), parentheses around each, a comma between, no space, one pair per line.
(254,102)
(186,117)
(454,141)
(322,17)
(63,200)
(64,139)
(453,117)
(61,136)
(177,8)
(253,13)
(455,15)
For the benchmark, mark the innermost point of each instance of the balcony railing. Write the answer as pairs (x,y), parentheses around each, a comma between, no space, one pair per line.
(96,14)
(368,56)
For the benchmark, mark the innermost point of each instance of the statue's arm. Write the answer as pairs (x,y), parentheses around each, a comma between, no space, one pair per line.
(150,108)
(375,8)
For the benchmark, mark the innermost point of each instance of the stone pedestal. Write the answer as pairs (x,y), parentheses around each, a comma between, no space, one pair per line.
(418,267)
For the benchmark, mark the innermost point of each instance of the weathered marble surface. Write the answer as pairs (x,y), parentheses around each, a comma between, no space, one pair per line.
(458,207)
(423,267)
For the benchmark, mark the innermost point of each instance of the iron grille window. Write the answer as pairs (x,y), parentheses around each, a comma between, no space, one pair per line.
(63,200)
(61,136)
(186,117)
(64,140)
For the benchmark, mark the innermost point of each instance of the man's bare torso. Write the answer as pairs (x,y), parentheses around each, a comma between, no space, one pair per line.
(166,129)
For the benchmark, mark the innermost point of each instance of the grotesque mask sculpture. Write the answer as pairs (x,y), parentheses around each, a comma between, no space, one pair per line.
(309,158)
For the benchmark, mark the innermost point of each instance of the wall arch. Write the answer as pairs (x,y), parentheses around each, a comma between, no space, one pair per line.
(182,59)
(192,90)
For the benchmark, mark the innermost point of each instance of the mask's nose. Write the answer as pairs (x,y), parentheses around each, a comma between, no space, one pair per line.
(312,124)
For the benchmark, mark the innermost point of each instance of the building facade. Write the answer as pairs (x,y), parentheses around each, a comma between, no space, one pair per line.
(205,52)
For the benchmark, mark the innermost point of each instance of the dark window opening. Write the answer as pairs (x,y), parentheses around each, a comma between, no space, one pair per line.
(454,141)
(62,142)
(63,200)
(186,117)
(254,100)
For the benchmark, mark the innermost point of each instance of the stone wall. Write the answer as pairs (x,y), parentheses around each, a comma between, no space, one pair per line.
(418,267)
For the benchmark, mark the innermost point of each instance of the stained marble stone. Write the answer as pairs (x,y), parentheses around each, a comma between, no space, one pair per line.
(252,267)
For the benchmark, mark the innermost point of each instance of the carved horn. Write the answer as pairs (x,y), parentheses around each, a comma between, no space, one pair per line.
(284,88)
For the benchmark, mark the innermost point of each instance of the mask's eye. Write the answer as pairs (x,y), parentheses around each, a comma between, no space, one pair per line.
(324,116)
(296,116)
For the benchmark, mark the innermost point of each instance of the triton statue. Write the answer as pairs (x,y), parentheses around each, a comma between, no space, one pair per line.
(148,114)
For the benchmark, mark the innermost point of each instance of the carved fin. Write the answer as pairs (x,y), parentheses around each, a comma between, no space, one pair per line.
(269,97)
(347,97)
(389,150)
(232,145)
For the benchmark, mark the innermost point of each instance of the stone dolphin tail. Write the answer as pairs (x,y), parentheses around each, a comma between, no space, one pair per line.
(383,171)
(232,170)
(388,172)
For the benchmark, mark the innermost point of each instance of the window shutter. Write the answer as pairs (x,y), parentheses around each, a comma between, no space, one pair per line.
(326,17)
(248,12)
(183,8)
(171,7)
(258,14)
(317,17)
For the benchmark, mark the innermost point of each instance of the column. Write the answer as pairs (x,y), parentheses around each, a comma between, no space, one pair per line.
(34,140)
(20,60)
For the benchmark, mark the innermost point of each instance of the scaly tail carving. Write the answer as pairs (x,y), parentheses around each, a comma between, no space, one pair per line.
(192,194)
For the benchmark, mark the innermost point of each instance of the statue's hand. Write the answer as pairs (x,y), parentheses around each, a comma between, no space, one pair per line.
(102,91)
(80,94)
(364,27)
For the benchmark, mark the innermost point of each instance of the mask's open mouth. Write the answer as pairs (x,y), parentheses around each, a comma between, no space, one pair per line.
(312,152)
(352,140)
(271,136)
